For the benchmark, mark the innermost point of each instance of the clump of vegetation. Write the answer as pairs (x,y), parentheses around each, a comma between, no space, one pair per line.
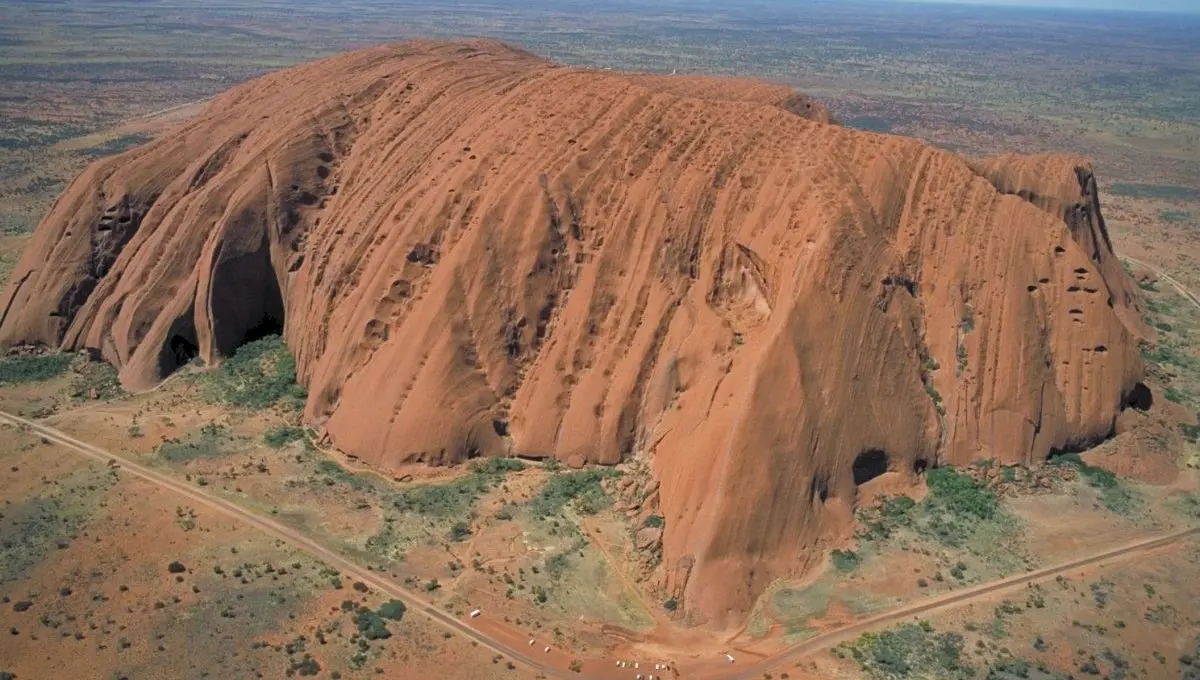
(1114,494)
(207,442)
(282,435)
(95,380)
(371,625)
(955,509)
(331,473)
(26,368)
(911,650)
(845,561)
(259,375)
(579,489)
(956,505)
(893,513)
(392,609)
(495,466)
(456,498)
(460,531)
(960,495)
(556,565)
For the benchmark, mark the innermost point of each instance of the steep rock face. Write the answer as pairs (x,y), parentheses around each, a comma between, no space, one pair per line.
(473,251)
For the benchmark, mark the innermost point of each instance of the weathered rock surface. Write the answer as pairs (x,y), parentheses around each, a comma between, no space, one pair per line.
(473,251)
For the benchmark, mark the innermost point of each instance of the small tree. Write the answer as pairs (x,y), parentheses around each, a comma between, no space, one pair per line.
(460,531)
(392,609)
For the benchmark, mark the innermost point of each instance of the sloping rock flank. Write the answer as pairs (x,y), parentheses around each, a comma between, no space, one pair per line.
(475,252)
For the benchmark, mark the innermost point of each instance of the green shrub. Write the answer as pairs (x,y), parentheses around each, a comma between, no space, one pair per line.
(1114,494)
(968,319)
(1174,216)
(671,604)
(207,442)
(911,650)
(580,489)
(845,560)
(460,531)
(456,498)
(655,521)
(259,375)
(95,379)
(495,466)
(370,625)
(894,512)
(282,435)
(1191,432)
(443,500)
(960,494)
(332,473)
(392,609)
(1174,394)
(18,369)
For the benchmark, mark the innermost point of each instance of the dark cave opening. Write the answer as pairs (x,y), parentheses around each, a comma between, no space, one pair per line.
(919,466)
(1140,398)
(183,349)
(245,302)
(266,327)
(181,345)
(819,487)
(868,465)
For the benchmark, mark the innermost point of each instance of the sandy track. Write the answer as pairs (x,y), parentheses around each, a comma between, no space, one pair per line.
(1182,289)
(283,532)
(415,602)
(957,599)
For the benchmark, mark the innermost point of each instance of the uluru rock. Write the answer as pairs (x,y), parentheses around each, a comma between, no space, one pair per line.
(472,251)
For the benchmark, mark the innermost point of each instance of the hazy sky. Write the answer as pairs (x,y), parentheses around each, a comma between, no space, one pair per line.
(1190,6)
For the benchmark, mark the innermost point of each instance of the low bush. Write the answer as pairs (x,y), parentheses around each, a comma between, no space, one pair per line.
(1114,493)
(460,531)
(845,560)
(370,625)
(579,489)
(259,375)
(282,435)
(911,650)
(25,368)
(392,609)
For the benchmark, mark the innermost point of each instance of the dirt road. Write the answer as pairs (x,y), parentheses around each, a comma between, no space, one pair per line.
(1182,289)
(952,601)
(283,532)
(553,664)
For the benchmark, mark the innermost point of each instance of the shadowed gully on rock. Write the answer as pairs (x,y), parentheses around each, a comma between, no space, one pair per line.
(472,251)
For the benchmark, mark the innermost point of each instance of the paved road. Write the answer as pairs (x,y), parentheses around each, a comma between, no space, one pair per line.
(444,618)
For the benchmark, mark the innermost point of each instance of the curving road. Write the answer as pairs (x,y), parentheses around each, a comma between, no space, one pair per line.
(1182,289)
(956,599)
(449,621)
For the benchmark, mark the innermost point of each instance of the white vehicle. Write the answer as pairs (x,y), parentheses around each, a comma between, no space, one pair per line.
(546,650)
(475,614)
(729,658)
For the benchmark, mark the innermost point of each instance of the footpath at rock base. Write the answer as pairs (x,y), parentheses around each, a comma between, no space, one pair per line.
(473,251)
